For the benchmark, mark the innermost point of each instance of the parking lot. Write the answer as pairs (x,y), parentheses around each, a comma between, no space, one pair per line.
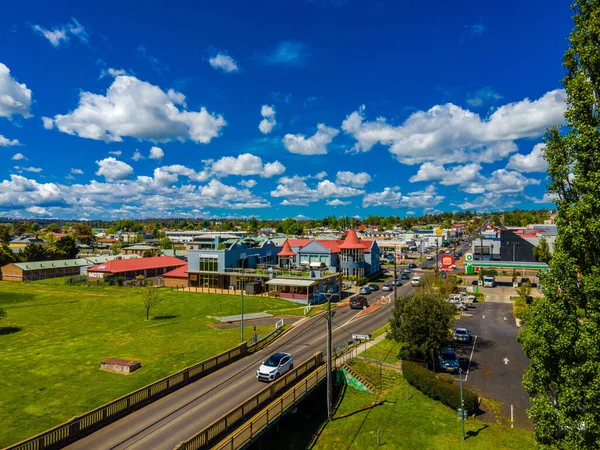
(493,363)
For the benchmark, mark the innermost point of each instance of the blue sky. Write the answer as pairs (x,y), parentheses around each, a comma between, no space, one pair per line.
(277,109)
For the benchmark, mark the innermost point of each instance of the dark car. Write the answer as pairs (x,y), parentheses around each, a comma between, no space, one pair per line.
(458,254)
(374,287)
(365,290)
(412,266)
(461,335)
(449,360)
(524,281)
(358,302)
(387,287)
(398,282)
(405,276)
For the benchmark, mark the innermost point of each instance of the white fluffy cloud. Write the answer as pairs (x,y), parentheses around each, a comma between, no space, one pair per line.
(358,180)
(224,62)
(15,97)
(314,145)
(63,33)
(244,164)
(393,198)
(295,191)
(156,153)
(490,201)
(266,125)
(5,142)
(137,109)
(38,211)
(338,202)
(248,183)
(533,162)
(18,157)
(28,169)
(449,134)
(546,198)
(77,171)
(137,155)
(112,169)
(457,175)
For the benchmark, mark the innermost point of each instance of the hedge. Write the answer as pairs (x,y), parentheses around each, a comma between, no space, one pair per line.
(437,389)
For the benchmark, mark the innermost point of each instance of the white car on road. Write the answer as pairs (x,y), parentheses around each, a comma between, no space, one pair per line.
(275,366)
(415,281)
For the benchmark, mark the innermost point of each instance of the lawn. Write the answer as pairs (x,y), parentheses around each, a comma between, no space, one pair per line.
(416,423)
(55,336)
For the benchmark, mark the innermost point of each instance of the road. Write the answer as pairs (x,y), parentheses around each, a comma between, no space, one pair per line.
(178,416)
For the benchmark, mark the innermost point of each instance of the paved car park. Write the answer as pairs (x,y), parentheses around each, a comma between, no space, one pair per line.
(493,363)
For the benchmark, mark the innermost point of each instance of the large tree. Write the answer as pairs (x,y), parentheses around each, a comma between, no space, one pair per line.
(4,233)
(66,248)
(542,251)
(561,339)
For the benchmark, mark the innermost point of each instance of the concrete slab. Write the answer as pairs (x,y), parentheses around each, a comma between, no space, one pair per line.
(246,317)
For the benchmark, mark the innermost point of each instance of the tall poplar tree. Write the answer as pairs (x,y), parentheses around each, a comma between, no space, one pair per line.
(562,339)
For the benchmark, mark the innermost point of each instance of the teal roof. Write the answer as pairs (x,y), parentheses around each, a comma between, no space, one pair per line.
(60,263)
(101,259)
(139,247)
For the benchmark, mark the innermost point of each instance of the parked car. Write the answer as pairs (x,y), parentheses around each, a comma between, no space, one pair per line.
(455,298)
(448,360)
(405,276)
(415,281)
(459,254)
(406,270)
(374,287)
(275,366)
(429,257)
(398,282)
(448,251)
(489,281)
(523,281)
(461,335)
(387,287)
(365,290)
(358,302)
(412,266)
(462,307)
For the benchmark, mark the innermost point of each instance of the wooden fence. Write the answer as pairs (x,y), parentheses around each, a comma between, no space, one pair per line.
(78,427)
(213,290)
(206,438)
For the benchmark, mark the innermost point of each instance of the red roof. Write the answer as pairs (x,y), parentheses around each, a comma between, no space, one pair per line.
(127,265)
(299,242)
(180,272)
(287,250)
(332,244)
(351,241)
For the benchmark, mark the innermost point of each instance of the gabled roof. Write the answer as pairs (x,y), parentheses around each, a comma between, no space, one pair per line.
(299,242)
(127,265)
(180,272)
(351,241)
(56,264)
(286,250)
(139,247)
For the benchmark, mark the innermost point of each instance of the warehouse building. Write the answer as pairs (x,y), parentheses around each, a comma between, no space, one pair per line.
(129,269)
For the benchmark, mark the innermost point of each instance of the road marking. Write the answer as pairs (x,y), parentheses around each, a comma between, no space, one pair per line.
(504,318)
(505,360)
(483,317)
(470,358)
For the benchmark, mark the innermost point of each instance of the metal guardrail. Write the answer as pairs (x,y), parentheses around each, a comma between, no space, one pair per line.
(206,437)
(272,413)
(78,427)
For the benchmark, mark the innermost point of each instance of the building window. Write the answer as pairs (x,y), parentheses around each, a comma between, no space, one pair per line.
(208,264)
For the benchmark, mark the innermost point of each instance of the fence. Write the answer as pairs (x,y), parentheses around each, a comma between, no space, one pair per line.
(216,290)
(272,413)
(78,427)
(206,437)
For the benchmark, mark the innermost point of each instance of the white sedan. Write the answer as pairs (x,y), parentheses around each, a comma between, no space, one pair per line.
(275,366)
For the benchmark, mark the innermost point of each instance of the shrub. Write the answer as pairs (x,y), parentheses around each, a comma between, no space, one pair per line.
(489,272)
(437,389)
(458,280)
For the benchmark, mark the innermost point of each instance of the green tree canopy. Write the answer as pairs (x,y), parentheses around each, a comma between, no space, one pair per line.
(66,248)
(4,233)
(542,251)
(561,339)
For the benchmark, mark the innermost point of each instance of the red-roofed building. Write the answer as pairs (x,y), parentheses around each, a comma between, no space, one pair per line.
(176,277)
(128,269)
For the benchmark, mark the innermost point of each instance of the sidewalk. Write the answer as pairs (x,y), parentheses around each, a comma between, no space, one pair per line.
(360,348)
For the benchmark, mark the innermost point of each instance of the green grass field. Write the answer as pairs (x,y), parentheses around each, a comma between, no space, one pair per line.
(55,336)
(416,423)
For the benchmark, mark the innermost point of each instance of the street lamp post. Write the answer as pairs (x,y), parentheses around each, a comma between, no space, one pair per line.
(242,305)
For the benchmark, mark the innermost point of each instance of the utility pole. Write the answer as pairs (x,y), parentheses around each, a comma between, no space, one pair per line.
(242,305)
(437,255)
(329,355)
(395,273)
(462,404)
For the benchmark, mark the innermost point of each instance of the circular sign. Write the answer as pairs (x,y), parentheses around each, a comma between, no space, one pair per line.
(447,260)
(438,232)
(398,248)
(469,257)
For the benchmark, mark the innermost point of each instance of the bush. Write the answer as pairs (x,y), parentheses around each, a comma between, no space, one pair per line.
(458,280)
(489,272)
(437,389)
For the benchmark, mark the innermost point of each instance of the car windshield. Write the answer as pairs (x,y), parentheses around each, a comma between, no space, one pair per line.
(488,279)
(447,356)
(274,360)
(460,332)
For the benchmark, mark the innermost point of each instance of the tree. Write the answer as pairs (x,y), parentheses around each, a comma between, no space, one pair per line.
(83,233)
(116,248)
(421,323)
(4,234)
(6,255)
(542,251)
(66,248)
(149,253)
(151,297)
(53,228)
(34,252)
(561,339)
(166,243)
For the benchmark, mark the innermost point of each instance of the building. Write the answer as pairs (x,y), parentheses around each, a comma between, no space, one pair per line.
(137,249)
(18,244)
(41,270)
(188,236)
(129,269)
(176,277)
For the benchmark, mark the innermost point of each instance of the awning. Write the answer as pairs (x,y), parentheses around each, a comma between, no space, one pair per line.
(316,264)
(304,263)
(291,282)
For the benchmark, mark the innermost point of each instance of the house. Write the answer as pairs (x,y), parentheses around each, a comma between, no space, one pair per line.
(138,249)
(176,277)
(18,244)
(129,269)
(41,270)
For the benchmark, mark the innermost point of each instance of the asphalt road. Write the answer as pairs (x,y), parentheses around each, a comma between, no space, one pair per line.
(178,416)
(498,362)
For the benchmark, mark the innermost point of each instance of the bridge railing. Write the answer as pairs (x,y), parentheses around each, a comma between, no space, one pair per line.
(207,437)
(80,426)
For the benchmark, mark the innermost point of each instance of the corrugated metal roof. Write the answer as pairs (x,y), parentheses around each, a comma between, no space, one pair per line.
(128,265)
(291,282)
(59,263)
(180,272)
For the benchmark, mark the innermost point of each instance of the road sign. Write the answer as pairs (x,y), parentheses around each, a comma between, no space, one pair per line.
(447,260)
(446,269)
(438,232)
(398,248)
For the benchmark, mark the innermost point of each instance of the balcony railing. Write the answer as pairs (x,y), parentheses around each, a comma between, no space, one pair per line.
(277,272)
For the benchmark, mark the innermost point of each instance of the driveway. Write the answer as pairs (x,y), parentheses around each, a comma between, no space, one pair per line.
(498,362)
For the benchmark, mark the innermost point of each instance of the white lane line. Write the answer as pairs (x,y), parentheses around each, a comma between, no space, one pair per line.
(470,358)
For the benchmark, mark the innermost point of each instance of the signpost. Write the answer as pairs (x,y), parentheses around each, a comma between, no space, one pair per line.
(447,261)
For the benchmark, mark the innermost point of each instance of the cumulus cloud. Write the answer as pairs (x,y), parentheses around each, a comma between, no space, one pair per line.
(38,211)
(137,155)
(244,164)
(77,171)
(18,157)
(63,33)
(116,153)
(490,201)
(456,175)
(5,142)
(15,97)
(224,62)
(358,180)
(338,202)
(266,125)
(449,134)
(546,198)
(137,109)
(28,169)
(112,169)
(533,162)
(314,145)
(156,153)
(48,123)
(295,191)
(392,197)
(248,183)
